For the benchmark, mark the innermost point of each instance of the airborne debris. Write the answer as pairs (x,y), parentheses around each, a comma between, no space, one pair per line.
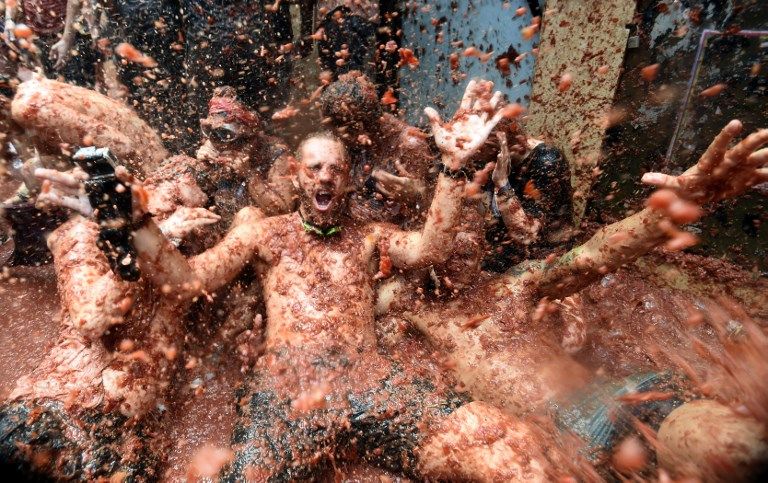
(132,54)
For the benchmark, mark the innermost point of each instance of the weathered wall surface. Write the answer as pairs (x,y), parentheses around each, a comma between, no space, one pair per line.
(582,40)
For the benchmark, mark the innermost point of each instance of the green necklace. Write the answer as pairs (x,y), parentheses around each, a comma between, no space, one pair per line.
(310,228)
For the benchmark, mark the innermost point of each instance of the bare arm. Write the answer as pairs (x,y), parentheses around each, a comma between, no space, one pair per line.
(607,250)
(720,173)
(92,295)
(161,261)
(60,50)
(521,227)
(433,243)
(458,141)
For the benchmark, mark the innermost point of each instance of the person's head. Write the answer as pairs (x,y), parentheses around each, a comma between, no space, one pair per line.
(229,129)
(322,179)
(352,105)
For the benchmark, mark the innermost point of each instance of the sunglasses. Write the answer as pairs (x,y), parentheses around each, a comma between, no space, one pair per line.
(225,134)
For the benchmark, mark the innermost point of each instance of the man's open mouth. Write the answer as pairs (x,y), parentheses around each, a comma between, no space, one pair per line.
(323,200)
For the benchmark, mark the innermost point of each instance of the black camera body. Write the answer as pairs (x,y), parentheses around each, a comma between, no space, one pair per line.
(112,203)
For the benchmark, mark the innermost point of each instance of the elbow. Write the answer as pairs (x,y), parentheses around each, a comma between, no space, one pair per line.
(92,319)
(429,256)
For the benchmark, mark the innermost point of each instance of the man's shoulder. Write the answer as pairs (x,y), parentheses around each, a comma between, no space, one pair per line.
(379,229)
(284,221)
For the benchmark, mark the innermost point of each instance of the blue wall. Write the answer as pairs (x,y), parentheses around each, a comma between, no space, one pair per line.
(484,24)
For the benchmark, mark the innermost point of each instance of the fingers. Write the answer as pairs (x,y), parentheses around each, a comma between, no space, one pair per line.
(192,224)
(661,180)
(434,119)
(762,175)
(484,132)
(389,180)
(496,100)
(737,155)
(758,158)
(203,213)
(384,191)
(72,202)
(402,170)
(59,177)
(502,137)
(716,150)
(484,101)
(482,107)
(748,145)
(469,96)
(197,213)
(491,125)
(503,155)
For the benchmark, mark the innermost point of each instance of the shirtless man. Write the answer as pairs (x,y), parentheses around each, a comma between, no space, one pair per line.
(504,353)
(390,159)
(322,391)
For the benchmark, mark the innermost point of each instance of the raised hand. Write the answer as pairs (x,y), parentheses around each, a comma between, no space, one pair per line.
(186,220)
(65,189)
(721,172)
(403,186)
(500,174)
(478,114)
(60,53)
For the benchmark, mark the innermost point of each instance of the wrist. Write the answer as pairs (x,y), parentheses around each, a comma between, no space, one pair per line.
(503,188)
(451,162)
(455,173)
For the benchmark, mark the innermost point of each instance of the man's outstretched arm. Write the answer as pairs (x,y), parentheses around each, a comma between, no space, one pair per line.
(168,269)
(720,173)
(458,140)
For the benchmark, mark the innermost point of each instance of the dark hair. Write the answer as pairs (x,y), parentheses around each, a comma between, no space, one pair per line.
(351,98)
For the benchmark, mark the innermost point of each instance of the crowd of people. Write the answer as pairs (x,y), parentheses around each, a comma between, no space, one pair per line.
(365,234)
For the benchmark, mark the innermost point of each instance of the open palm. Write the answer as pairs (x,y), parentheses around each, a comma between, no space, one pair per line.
(721,172)
(478,114)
